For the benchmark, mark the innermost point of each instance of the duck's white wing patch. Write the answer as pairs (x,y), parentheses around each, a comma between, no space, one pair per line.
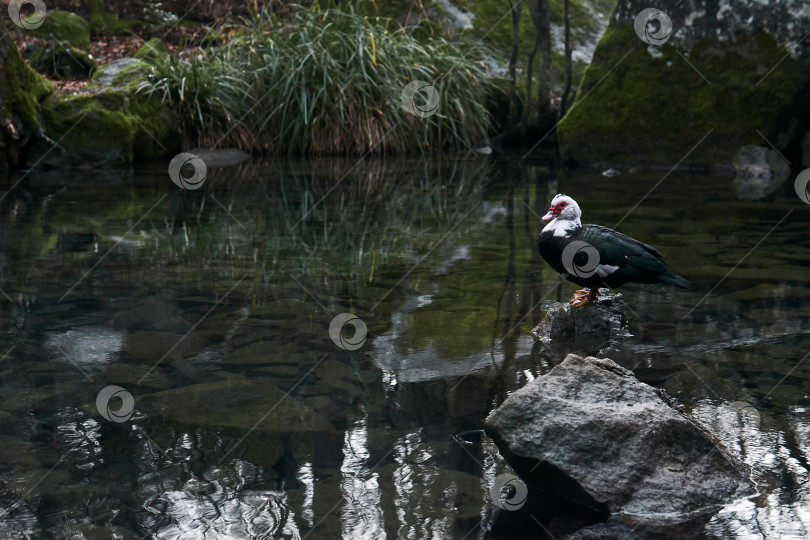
(604,270)
(561,227)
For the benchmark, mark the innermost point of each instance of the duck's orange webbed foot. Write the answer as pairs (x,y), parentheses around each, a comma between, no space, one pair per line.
(583,297)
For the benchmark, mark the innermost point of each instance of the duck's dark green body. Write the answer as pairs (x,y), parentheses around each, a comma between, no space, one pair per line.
(621,259)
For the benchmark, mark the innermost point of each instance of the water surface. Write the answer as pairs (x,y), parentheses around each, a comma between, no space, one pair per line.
(212,309)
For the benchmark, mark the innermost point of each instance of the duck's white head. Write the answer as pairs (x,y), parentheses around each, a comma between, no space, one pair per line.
(564,208)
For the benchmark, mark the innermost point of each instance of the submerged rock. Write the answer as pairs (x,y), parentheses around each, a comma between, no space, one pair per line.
(589,431)
(760,171)
(602,319)
(224,157)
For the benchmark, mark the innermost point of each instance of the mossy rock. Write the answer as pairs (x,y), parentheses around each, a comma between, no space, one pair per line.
(64,26)
(154,49)
(640,105)
(103,22)
(119,73)
(59,59)
(106,129)
(93,129)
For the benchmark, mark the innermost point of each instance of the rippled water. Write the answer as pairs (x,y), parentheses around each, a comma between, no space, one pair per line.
(212,309)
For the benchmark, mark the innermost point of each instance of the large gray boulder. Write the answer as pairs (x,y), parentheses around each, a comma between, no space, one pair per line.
(706,78)
(588,430)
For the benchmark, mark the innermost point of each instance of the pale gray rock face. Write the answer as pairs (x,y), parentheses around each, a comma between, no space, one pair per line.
(589,431)
(113,69)
(721,20)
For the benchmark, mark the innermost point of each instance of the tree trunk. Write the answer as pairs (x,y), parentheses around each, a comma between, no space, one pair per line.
(527,104)
(540,18)
(514,97)
(535,111)
(568,67)
(21,90)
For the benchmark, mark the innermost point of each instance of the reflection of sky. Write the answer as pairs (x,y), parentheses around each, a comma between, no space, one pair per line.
(362,515)
(307,478)
(419,485)
(215,505)
(420,365)
(779,512)
(21,523)
(253,514)
(81,436)
(85,345)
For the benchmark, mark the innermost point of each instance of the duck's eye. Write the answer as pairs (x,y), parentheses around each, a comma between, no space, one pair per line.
(563,204)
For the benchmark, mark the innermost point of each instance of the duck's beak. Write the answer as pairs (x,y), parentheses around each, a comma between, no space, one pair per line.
(548,216)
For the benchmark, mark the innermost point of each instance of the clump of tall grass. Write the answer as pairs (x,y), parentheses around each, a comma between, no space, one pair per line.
(325,82)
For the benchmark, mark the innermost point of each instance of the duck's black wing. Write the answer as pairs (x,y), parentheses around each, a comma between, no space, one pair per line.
(634,261)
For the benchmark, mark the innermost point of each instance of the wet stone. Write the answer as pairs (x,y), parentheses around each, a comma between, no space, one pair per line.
(602,319)
(589,431)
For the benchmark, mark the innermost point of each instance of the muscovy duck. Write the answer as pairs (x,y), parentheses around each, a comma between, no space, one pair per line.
(593,256)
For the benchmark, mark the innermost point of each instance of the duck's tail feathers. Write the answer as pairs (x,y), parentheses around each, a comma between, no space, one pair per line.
(674,279)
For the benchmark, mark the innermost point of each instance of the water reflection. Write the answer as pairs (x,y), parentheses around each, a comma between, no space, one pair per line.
(251,424)
(362,515)
(218,503)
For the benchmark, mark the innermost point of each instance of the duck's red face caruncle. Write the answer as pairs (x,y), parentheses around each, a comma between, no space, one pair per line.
(555,211)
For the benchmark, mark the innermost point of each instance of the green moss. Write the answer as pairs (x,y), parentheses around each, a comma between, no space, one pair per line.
(102,22)
(155,133)
(64,26)
(152,49)
(108,128)
(95,128)
(22,88)
(650,109)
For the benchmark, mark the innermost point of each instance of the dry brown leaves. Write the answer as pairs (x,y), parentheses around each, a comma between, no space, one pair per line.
(107,49)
